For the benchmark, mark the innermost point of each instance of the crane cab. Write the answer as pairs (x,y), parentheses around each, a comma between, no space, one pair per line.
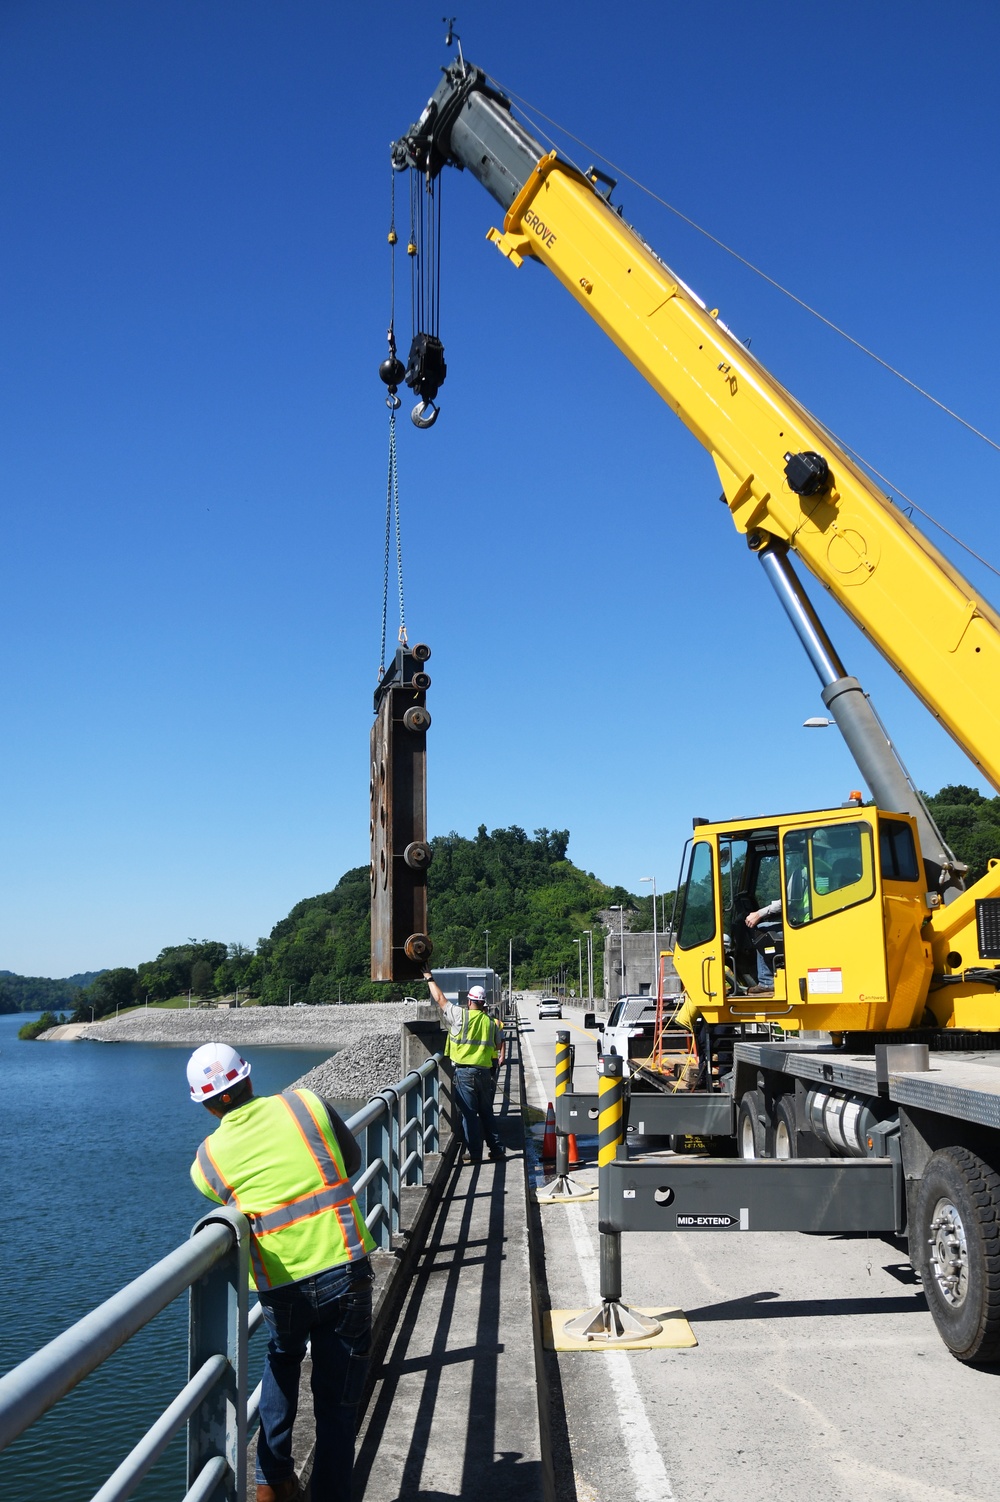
(837,907)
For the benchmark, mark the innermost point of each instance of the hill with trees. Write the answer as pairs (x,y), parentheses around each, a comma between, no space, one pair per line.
(36,993)
(533,900)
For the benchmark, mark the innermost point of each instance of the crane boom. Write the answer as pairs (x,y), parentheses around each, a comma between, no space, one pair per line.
(787,482)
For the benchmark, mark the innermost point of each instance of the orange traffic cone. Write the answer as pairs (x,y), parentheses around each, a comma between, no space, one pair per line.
(549,1140)
(574,1156)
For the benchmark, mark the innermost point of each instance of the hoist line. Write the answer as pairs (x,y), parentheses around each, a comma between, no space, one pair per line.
(392,480)
(533,109)
(392,256)
(392,514)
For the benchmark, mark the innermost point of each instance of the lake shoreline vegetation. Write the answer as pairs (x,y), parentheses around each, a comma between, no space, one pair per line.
(533,900)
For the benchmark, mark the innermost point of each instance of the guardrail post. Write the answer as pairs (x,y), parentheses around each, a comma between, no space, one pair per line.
(611,1321)
(432,1109)
(422,1039)
(218,1326)
(390,1156)
(377,1188)
(413,1141)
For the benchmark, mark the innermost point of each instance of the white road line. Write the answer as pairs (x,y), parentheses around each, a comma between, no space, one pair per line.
(652,1484)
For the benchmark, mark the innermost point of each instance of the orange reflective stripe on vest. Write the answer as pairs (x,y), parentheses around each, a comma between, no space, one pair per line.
(227,1194)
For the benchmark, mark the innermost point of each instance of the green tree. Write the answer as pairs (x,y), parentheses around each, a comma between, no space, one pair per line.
(970,822)
(112,989)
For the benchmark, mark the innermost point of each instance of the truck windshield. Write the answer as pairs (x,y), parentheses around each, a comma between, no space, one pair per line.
(697,925)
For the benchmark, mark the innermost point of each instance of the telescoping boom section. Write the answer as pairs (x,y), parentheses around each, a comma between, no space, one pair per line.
(886,948)
(783,475)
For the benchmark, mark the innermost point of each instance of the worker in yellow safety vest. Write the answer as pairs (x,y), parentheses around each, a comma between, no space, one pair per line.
(475,1046)
(285,1161)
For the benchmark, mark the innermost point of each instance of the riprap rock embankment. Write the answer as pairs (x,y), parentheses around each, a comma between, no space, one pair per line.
(363,1039)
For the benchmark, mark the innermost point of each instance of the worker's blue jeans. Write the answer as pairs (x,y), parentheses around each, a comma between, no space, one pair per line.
(332,1310)
(474,1088)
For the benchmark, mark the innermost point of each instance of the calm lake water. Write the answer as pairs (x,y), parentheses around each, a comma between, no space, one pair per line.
(95,1144)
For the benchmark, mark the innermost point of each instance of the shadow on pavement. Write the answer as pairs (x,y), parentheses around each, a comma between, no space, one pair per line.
(753,1306)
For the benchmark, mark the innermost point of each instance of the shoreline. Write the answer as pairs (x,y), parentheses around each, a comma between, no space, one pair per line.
(364,1039)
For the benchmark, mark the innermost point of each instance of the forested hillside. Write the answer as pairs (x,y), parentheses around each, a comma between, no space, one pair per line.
(524,890)
(970,823)
(36,993)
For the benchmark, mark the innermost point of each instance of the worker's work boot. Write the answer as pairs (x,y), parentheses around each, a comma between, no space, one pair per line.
(282,1491)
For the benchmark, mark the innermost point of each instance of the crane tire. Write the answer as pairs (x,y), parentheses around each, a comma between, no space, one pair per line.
(751,1133)
(957,1251)
(785,1130)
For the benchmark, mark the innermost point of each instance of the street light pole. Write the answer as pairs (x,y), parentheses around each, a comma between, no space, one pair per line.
(510,969)
(487,933)
(619,908)
(579,958)
(656,948)
(590,964)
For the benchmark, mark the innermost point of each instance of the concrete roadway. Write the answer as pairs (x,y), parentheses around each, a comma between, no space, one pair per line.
(818,1370)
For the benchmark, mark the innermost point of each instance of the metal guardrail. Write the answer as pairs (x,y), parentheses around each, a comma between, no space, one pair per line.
(213,1265)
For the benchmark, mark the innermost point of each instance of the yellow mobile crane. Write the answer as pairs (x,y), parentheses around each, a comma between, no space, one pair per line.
(874,937)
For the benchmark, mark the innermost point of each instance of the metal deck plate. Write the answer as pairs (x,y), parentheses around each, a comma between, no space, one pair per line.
(962,1085)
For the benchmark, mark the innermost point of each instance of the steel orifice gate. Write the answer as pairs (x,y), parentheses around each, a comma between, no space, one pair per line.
(400,946)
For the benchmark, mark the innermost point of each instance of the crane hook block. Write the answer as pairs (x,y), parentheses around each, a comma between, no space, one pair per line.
(426,369)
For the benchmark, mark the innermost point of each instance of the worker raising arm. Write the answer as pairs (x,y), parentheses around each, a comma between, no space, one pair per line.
(474,1042)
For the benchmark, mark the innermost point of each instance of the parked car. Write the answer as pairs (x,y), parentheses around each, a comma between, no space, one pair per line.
(629,1030)
(550,1006)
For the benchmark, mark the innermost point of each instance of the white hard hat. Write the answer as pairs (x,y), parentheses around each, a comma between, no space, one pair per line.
(476,993)
(213,1069)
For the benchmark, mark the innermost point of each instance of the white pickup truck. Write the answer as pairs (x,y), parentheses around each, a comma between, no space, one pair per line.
(628,1031)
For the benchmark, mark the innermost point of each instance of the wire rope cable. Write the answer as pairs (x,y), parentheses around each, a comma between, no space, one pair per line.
(392,481)
(786,292)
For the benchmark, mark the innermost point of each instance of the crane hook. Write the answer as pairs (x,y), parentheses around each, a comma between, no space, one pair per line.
(424,414)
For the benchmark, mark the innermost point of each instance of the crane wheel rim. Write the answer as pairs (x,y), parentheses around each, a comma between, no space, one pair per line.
(949,1253)
(782,1141)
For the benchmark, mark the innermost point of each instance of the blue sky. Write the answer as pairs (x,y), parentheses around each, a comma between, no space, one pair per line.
(193,298)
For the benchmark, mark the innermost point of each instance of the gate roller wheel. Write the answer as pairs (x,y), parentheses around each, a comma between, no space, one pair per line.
(421,651)
(418,948)
(416,718)
(418,855)
(421,680)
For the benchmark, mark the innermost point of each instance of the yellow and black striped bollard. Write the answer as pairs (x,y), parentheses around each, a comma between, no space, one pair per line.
(564,1082)
(610,1132)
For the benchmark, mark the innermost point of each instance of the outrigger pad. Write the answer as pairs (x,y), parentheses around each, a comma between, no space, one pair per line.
(614,1326)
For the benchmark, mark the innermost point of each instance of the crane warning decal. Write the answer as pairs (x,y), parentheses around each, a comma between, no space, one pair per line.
(828,980)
